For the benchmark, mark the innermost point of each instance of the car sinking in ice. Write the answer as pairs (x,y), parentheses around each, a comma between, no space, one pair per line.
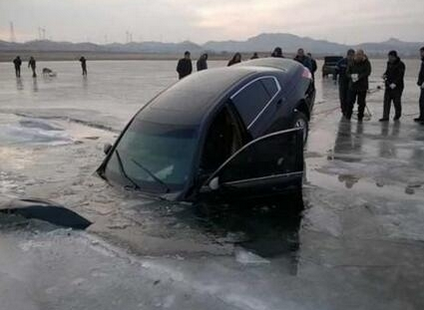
(225,132)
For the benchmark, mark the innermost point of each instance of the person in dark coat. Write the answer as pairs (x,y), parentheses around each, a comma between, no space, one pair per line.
(344,80)
(33,65)
(358,72)
(394,82)
(254,56)
(420,84)
(83,62)
(235,60)
(303,59)
(277,53)
(313,65)
(184,66)
(202,63)
(17,62)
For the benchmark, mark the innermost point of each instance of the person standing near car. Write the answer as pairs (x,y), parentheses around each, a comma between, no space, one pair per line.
(314,65)
(184,66)
(420,84)
(277,53)
(202,63)
(344,80)
(394,82)
(303,59)
(32,63)
(17,62)
(235,60)
(358,72)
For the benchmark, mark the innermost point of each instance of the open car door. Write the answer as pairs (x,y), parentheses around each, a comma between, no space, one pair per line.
(265,166)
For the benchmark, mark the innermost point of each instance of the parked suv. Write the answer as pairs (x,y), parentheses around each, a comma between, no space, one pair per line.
(329,67)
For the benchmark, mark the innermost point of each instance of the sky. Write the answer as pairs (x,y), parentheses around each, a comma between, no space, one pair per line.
(101,21)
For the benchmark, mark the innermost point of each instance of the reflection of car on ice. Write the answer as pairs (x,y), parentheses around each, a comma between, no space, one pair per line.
(329,67)
(228,131)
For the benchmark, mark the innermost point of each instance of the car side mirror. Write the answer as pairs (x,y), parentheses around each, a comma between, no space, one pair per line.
(106,148)
(214,184)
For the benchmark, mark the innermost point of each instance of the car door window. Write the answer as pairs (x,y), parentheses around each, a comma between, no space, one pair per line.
(272,156)
(251,101)
(271,85)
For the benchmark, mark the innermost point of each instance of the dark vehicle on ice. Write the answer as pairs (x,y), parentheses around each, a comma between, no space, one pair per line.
(329,67)
(229,132)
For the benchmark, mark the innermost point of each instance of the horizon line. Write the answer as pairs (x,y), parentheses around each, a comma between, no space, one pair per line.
(209,41)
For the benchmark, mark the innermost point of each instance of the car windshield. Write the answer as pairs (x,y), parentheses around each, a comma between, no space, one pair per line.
(153,157)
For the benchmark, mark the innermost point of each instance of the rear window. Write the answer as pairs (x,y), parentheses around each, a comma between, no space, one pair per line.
(251,101)
(332,59)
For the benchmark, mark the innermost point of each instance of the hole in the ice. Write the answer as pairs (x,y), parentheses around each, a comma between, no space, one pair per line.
(45,211)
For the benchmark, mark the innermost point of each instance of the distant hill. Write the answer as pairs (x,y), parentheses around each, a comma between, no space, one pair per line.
(267,42)
(132,47)
(404,48)
(262,43)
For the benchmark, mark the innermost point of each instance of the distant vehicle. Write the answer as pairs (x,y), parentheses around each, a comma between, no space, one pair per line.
(329,67)
(229,132)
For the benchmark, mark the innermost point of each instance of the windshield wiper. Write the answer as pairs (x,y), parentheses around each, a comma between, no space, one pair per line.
(121,167)
(152,175)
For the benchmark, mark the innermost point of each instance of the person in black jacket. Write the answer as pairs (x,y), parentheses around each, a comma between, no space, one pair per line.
(420,83)
(17,62)
(303,59)
(394,82)
(235,60)
(314,65)
(358,72)
(344,80)
(32,64)
(202,63)
(83,62)
(184,66)
(277,53)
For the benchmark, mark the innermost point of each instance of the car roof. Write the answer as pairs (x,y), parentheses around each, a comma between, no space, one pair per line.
(283,64)
(332,58)
(189,100)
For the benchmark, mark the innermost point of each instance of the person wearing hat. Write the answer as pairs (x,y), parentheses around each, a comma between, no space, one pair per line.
(394,82)
(184,66)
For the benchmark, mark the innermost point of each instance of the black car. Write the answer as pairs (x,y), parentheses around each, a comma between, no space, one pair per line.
(227,131)
(329,67)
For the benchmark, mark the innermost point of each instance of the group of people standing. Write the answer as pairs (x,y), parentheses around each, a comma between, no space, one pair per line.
(32,63)
(354,71)
(185,68)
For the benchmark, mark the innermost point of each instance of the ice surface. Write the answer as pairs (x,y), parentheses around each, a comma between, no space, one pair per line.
(357,246)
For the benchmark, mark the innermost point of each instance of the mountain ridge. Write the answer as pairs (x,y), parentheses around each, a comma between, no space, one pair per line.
(264,42)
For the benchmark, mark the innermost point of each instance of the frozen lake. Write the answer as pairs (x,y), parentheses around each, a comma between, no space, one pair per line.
(114,90)
(357,245)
